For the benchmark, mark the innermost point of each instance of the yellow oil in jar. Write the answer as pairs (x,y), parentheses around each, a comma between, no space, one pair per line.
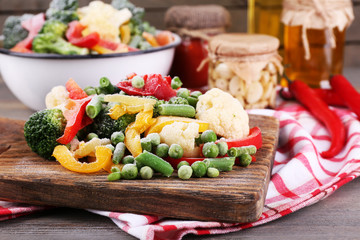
(324,60)
(264,16)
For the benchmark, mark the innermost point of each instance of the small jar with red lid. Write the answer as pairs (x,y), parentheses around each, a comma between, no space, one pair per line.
(195,25)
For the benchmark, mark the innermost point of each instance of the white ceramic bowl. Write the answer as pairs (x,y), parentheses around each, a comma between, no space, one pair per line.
(31,76)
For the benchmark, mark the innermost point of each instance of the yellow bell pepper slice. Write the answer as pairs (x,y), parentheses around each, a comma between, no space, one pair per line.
(66,159)
(128,100)
(162,121)
(125,33)
(117,111)
(132,140)
(150,39)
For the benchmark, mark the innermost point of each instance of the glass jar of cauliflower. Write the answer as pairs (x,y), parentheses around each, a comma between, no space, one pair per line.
(247,66)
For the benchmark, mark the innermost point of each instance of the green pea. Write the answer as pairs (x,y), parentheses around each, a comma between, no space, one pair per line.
(176,82)
(129,171)
(162,150)
(185,172)
(146,144)
(155,138)
(128,159)
(212,172)
(176,151)
(146,172)
(115,169)
(192,101)
(245,159)
(112,148)
(138,164)
(223,148)
(195,94)
(183,92)
(198,140)
(208,136)
(210,150)
(91,136)
(137,82)
(114,176)
(182,163)
(199,168)
(117,137)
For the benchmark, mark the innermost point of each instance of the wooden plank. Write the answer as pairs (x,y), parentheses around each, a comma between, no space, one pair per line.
(235,196)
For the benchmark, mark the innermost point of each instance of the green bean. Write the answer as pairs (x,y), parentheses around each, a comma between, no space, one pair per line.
(146,144)
(137,82)
(212,172)
(199,168)
(117,137)
(192,101)
(128,159)
(208,136)
(91,136)
(221,164)
(182,163)
(237,151)
(106,86)
(183,92)
(94,107)
(210,150)
(185,172)
(90,91)
(146,172)
(114,176)
(177,110)
(154,138)
(155,162)
(129,171)
(176,82)
(176,151)
(245,160)
(118,152)
(223,148)
(162,150)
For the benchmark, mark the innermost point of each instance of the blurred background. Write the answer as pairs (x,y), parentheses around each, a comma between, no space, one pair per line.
(155,10)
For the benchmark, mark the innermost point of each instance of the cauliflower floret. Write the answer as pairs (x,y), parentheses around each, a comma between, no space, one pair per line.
(224,113)
(183,134)
(104,19)
(57,98)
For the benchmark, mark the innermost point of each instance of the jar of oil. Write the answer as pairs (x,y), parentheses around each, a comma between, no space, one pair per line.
(314,37)
(264,16)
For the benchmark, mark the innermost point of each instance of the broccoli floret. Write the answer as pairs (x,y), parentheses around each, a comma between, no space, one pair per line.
(42,129)
(51,43)
(63,10)
(13,31)
(137,12)
(104,125)
(178,100)
(54,26)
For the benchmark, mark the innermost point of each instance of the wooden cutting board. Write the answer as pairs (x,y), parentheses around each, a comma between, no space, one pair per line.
(236,196)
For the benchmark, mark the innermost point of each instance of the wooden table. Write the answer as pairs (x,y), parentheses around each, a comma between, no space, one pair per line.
(333,218)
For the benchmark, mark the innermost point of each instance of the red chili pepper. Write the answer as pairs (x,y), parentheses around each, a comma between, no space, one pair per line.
(307,97)
(76,119)
(33,25)
(155,85)
(347,92)
(329,96)
(75,91)
(75,37)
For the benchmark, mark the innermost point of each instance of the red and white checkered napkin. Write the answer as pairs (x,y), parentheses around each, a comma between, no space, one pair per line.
(300,177)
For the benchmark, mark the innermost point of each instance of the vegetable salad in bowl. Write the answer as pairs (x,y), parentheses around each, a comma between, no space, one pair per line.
(99,28)
(142,127)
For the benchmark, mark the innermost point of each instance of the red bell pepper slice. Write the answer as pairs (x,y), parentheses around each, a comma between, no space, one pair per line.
(254,138)
(76,119)
(75,37)
(33,25)
(155,85)
(75,91)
